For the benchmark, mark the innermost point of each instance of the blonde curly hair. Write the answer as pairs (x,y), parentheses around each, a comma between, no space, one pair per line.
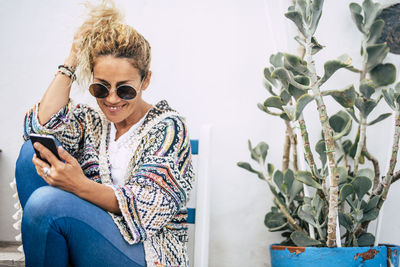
(105,33)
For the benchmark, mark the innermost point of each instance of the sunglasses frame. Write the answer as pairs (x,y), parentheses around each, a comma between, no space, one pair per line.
(116,90)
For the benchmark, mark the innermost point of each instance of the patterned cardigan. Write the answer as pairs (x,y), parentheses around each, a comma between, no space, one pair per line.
(157,181)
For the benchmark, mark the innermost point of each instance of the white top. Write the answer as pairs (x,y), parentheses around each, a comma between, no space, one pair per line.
(119,152)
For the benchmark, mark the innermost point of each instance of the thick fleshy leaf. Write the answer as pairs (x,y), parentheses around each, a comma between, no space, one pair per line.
(296,188)
(307,215)
(270,168)
(376,54)
(367,88)
(296,92)
(285,96)
(340,123)
(267,75)
(388,95)
(370,215)
(365,106)
(376,31)
(372,203)
(316,11)
(297,18)
(276,60)
(321,150)
(261,150)
(345,221)
(316,46)
(289,110)
(345,97)
(302,103)
(355,10)
(317,204)
(361,186)
(366,240)
(268,86)
(383,74)
(342,171)
(303,240)
(295,64)
(278,179)
(287,78)
(274,102)
(274,219)
(248,167)
(332,66)
(371,11)
(366,172)
(380,118)
(345,191)
(288,177)
(306,178)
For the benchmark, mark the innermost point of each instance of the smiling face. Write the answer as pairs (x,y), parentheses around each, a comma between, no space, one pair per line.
(113,72)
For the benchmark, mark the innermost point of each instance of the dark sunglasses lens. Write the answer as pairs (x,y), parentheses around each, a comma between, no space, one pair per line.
(126,92)
(98,90)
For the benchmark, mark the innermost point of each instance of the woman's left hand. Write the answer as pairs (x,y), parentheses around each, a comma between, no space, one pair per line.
(67,176)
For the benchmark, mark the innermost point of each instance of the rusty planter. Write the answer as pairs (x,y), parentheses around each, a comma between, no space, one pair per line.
(380,256)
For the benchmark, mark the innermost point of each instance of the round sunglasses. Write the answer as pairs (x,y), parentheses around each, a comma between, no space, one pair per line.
(124,91)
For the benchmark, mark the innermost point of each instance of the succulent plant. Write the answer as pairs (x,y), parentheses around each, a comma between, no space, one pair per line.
(342,191)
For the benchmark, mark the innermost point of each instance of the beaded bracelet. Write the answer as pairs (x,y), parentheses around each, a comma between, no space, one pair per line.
(67,71)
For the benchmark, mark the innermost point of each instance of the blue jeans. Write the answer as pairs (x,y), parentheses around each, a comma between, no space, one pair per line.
(59,228)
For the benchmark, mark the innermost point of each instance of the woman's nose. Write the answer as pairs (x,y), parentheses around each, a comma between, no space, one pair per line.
(112,96)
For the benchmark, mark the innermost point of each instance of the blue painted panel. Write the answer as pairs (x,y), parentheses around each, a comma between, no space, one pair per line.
(334,257)
(194,143)
(191,215)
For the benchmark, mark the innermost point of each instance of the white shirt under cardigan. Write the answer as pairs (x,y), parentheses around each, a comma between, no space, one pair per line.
(119,151)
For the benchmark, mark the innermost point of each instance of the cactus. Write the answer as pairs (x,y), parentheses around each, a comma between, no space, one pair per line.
(344,191)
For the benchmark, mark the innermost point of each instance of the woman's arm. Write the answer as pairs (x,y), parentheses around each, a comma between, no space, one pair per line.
(57,94)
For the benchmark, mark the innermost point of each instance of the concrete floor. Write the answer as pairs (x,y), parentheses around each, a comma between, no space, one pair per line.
(10,256)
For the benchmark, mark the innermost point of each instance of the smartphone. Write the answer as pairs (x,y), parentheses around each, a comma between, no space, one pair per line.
(48,141)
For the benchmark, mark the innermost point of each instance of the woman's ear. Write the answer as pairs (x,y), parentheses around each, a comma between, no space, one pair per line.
(146,81)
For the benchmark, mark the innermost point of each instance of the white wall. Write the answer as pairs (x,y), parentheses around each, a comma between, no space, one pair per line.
(208,58)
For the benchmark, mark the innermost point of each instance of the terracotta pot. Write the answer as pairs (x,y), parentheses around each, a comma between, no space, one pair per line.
(380,256)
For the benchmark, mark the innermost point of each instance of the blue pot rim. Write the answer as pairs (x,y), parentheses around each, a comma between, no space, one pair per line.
(380,246)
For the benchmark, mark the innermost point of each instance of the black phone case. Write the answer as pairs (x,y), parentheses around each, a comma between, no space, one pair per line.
(46,140)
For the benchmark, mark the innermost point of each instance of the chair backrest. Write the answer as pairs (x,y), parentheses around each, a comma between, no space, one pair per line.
(198,205)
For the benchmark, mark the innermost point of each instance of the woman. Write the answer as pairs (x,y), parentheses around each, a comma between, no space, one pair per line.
(118,196)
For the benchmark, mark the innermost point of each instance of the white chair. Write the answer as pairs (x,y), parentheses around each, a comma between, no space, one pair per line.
(199,204)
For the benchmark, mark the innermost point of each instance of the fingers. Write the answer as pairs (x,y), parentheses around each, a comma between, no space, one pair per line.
(39,165)
(46,153)
(64,155)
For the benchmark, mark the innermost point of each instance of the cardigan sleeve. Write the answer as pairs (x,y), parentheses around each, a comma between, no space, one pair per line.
(159,188)
(67,125)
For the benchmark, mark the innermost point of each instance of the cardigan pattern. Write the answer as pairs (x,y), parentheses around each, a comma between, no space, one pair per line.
(157,182)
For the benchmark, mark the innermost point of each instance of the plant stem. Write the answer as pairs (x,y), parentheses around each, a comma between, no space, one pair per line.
(286,149)
(360,145)
(286,213)
(330,149)
(393,160)
(306,143)
(293,144)
(375,162)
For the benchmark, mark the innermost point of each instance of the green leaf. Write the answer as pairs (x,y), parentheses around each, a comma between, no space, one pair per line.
(367,88)
(388,95)
(268,86)
(301,104)
(296,92)
(370,215)
(276,60)
(355,10)
(342,171)
(303,240)
(380,118)
(270,169)
(332,66)
(316,46)
(371,11)
(316,11)
(345,97)
(361,186)
(274,102)
(346,221)
(274,219)
(366,240)
(306,178)
(376,31)
(345,191)
(366,172)
(289,110)
(372,203)
(297,18)
(288,177)
(317,204)
(341,124)
(285,96)
(296,188)
(295,64)
(376,54)
(248,167)
(365,106)
(321,150)
(306,216)
(268,77)
(261,150)
(383,74)
(278,179)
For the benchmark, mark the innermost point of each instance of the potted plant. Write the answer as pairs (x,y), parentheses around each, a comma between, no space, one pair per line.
(325,206)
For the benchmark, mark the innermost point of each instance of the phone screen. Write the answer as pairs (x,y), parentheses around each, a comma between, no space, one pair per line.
(46,140)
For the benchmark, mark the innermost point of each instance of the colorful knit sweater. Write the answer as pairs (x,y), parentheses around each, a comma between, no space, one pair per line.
(157,182)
